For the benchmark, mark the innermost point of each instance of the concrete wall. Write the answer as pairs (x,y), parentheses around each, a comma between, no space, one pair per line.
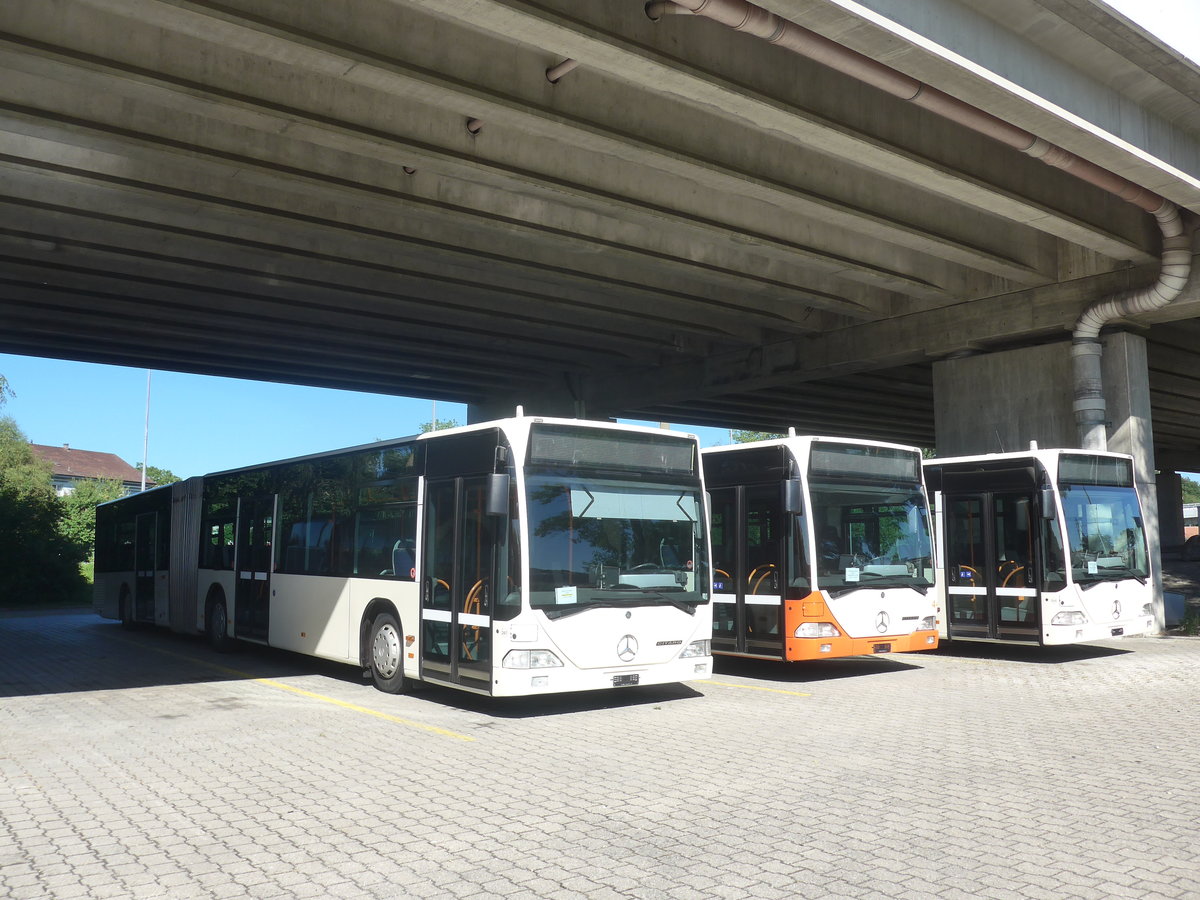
(999,402)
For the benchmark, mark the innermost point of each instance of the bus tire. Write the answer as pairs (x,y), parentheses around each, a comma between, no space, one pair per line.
(216,625)
(386,651)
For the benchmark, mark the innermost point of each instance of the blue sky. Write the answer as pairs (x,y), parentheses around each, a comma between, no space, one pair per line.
(200,424)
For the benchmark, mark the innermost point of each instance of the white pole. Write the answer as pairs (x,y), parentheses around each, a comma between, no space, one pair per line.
(146,433)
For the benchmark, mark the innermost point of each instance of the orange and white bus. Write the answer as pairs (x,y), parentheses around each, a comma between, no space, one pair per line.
(821,548)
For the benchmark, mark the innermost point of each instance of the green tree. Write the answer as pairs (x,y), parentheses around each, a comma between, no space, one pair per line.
(159,476)
(38,566)
(1191,490)
(746,437)
(438,425)
(78,521)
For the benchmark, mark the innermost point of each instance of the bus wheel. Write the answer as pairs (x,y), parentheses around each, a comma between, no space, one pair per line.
(387,654)
(216,627)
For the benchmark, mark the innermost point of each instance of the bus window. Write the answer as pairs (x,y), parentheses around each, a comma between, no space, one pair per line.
(385,542)
(216,548)
(508,600)
(798,555)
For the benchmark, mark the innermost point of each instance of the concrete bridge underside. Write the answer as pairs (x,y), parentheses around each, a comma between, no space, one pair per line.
(691,225)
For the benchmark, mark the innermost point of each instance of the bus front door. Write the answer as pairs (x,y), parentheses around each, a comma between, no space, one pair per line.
(458,566)
(144,547)
(747,570)
(252,600)
(990,566)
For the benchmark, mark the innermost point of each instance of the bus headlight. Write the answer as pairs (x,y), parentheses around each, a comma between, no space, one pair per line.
(530,659)
(1069,618)
(697,648)
(928,623)
(817,630)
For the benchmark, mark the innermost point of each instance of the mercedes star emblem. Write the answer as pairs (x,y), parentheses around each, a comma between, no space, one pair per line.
(881,622)
(1116,609)
(627,648)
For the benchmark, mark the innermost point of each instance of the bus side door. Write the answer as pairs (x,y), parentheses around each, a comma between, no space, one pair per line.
(252,598)
(748,571)
(145,548)
(991,589)
(458,582)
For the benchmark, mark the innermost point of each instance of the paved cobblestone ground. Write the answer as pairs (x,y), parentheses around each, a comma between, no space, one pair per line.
(141,764)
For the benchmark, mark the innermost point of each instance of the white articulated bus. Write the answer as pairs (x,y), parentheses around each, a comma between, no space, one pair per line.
(516,557)
(821,548)
(1040,547)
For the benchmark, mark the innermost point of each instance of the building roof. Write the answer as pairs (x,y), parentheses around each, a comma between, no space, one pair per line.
(69,463)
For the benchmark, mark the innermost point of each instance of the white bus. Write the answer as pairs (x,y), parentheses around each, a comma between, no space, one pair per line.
(1040,547)
(821,548)
(516,557)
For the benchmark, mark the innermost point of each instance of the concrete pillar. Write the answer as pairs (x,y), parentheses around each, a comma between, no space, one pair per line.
(1127,393)
(543,403)
(1170,509)
(999,402)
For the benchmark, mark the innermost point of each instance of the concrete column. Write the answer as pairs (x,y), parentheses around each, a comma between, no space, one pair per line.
(1127,392)
(557,405)
(1170,509)
(999,402)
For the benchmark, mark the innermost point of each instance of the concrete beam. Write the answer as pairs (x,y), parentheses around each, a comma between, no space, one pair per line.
(965,327)
(625,59)
(533,117)
(1047,65)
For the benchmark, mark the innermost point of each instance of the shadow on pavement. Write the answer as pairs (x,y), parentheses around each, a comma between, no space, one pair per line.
(559,704)
(1026,653)
(57,652)
(815,670)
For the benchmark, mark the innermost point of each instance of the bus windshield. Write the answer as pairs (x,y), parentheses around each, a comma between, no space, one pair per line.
(1104,533)
(598,541)
(871,536)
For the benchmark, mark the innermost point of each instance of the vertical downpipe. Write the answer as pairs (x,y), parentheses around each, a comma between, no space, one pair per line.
(1090,409)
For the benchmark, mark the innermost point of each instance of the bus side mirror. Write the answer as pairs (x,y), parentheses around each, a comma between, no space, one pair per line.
(1048,502)
(793,496)
(497,495)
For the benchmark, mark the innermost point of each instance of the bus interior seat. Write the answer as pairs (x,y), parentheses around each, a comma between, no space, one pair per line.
(404,559)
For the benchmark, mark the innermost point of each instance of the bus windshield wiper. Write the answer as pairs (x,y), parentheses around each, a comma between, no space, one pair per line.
(635,597)
(1131,572)
(921,587)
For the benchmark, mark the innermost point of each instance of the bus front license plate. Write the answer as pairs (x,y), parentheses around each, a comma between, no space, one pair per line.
(882,648)
(1117,632)
(625,680)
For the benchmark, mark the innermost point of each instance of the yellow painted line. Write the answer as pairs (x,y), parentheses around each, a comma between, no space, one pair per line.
(362,709)
(755,687)
(270,682)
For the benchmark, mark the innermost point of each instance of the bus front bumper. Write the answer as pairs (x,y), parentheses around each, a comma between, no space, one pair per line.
(798,649)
